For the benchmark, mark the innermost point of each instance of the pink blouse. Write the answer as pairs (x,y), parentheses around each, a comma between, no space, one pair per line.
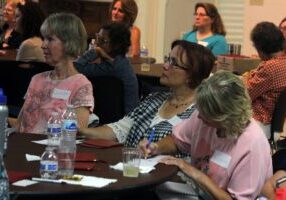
(45,96)
(238,165)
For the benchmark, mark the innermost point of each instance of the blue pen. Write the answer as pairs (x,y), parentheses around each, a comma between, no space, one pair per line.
(151,136)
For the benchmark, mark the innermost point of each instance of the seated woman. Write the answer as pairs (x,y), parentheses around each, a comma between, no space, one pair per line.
(186,66)
(29,18)
(208,29)
(230,155)
(9,38)
(64,40)
(109,59)
(125,11)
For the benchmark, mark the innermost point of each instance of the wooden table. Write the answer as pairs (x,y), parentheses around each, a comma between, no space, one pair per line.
(20,144)
(8,54)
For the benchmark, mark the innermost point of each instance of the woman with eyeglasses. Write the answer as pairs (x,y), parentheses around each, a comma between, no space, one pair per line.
(108,58)
(186,66)
(208,29)
(125,11)
(230,155)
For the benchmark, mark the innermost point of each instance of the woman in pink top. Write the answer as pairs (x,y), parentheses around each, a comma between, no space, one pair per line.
(230,155)
(64,39)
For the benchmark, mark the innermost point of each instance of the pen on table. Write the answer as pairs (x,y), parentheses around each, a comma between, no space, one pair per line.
(47,180)
(151,136)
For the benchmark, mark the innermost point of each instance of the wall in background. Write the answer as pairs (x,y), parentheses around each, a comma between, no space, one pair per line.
(162,21)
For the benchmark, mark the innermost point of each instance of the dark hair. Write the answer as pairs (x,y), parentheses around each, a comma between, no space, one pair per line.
(267,38)
(217,26)
(31,19)
(119,38)
(200,61)
(129,8)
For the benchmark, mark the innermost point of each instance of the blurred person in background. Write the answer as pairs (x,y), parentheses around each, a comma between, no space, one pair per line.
(125,11)
(108,58)
(267,81)
(208,29)
(29,18)
(9,38)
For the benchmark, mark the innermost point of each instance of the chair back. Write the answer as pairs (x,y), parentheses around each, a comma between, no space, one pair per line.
(108,95)
(15,81)
(279,114)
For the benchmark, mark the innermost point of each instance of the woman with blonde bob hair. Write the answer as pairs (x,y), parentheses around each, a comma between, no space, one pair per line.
(230,154)
(64,39)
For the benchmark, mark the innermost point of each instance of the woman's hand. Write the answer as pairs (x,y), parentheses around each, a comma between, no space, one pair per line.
(148,150)
(102,54)
(184,166)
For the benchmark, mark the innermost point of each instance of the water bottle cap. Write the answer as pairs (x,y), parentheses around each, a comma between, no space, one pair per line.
(3,98)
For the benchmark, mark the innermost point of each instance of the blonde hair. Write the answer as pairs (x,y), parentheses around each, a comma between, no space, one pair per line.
(223,98)
(69,29)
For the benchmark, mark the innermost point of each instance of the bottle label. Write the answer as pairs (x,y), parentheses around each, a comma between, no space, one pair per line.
(54,129)
(70,125)
(50,166)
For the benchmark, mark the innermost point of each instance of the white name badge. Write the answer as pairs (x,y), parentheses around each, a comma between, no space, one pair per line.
(220,158)
(203,43)
(61,94)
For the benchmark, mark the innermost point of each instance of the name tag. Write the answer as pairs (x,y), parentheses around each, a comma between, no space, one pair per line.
(220,158)
(61,94)
(203,43)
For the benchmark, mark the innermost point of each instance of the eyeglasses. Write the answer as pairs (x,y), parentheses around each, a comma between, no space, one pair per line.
(100,39)
(173,62)
(200,14)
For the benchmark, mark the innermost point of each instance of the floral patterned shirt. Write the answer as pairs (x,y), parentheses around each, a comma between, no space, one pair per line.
(45,96)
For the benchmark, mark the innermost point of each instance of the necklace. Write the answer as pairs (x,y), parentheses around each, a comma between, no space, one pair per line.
(177,105)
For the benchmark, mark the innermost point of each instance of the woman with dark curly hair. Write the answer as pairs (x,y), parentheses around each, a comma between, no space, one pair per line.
(266,82)
(208,29)
(125,11)
(184,69)
(29,18)
(108,58)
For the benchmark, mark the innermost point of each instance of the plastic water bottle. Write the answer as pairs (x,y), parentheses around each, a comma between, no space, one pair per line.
(54,130)
(145,66)
(67,148)
(49,164)
(3,122)
(4,181)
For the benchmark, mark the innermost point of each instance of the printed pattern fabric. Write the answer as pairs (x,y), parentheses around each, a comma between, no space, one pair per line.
(41,100)
(143,116)
(264,84)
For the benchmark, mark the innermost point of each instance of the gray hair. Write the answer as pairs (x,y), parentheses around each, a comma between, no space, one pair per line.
(222,98)
(69,29)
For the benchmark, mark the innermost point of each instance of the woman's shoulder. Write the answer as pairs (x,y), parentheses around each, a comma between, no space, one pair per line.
(135,29)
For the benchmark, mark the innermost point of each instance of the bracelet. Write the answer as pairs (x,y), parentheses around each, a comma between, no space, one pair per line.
(280,181)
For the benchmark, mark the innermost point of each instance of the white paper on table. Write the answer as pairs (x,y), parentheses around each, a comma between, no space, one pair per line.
(146,165)
(30,157)
(90,181)
(45,141)
(24,183)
